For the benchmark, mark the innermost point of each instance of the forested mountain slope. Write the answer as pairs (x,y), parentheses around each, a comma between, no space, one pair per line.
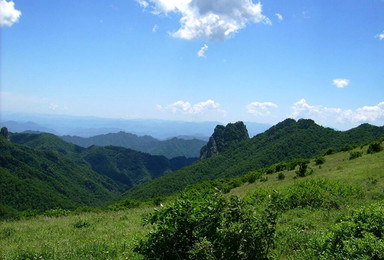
(41,180)
(170,148)
(41,171)
(285,141)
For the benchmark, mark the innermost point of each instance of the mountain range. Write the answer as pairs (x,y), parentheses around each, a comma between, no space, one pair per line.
(42,171)
(170,148)
(285,141)
(92,126)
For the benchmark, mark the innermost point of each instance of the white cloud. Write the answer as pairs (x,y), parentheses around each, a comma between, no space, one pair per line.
(260,108)
(279,16)
(211,19)
(338,116)
(380,35)
(201,52)
(155,28)
(142,3)
(340,83)
(8,14)
(187,108)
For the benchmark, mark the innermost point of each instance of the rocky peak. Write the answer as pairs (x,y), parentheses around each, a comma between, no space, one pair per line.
(222,137)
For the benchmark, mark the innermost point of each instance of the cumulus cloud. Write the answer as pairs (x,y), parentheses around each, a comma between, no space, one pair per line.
(260,108)
(340,83)
(279,16)
(185,107)
(201,52)
(380,35)
(211,19)
(8,14)
(337,116)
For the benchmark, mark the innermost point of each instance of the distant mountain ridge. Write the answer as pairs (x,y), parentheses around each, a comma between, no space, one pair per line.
(90,126)
(285,141)
(170,148)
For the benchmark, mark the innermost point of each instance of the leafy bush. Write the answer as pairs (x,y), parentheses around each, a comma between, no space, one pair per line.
(81,224)
(357,236)
(329,151)
(280,167)
(347,147)
(206,225)
(354,155)
(374,147)
(303,168)
(315,193)
(56,212)
(124,204)
(319,160)
(281,176)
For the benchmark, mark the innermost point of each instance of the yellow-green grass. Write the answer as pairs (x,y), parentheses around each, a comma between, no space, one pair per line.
(366,171)
(105,235)
(296,227)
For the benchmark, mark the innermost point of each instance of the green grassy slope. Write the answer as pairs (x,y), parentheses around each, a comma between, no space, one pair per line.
(283,142)
(110,235)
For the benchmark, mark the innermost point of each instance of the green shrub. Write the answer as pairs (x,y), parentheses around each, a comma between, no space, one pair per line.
(374,148)
(206,225)
(357,236)
(270,170)
(329,151)
(354,155)
(319,160)
(124,204)
(347,147)
(56,212)
(81,224)
(281,176)
(252,176)
(280,167)
(315,193)
(303,169)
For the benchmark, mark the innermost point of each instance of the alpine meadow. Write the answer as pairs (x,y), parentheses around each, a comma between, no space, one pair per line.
(215,129)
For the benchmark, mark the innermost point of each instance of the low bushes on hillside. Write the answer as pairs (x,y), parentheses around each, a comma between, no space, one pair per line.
(357,236)
(206,225)
(313,193)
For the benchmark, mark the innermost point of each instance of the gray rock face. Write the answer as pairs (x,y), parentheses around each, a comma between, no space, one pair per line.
(222,137)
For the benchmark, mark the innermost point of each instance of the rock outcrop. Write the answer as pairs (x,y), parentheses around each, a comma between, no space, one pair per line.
(222,137)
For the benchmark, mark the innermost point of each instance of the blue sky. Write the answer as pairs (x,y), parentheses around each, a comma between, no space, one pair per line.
(195,60)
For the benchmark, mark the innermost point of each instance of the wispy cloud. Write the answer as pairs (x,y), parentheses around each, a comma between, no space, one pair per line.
(260,108)
(142,3)
(340,83)
(8,14)
(279,16)
(338,116)
(380,35)
(185,107)
(155,28)
(201,52)
(211,19)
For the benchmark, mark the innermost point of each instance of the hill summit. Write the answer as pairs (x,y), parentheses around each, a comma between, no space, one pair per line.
(222,137)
